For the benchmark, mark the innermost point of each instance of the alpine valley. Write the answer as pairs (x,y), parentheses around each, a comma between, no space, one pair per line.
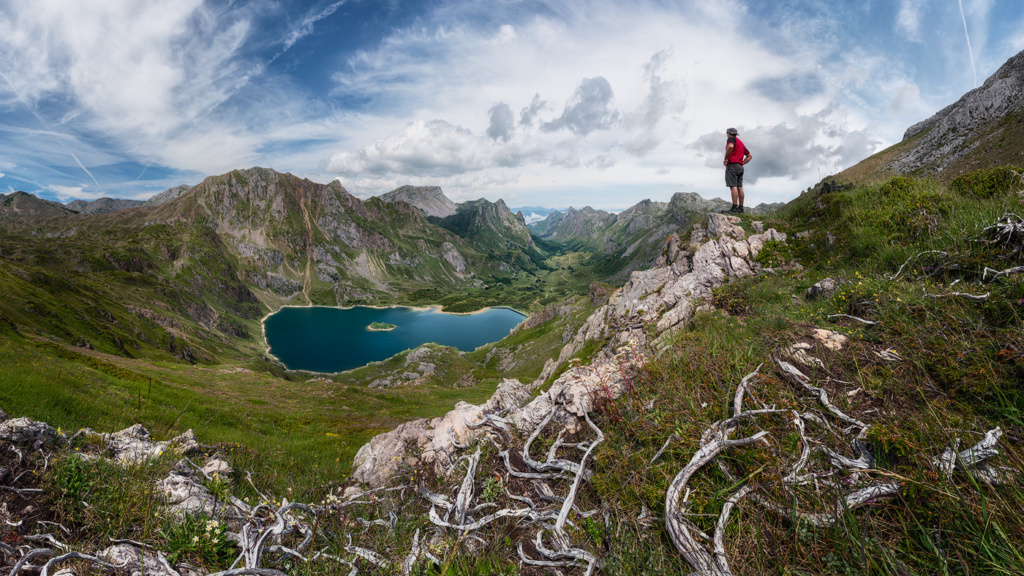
(830,386)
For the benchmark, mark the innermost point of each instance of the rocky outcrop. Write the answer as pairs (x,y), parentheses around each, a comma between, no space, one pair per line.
(429,200)
(27,431)
(665,296)
(511,409)
(427,441)
(822,288)
(953,131)
(103,205)
(168,195)
(668,295)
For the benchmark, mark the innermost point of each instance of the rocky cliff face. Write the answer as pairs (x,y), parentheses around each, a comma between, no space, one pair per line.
(585,223)
(991,113)
(429,200)
(298,239)
(168,195)
(490,226)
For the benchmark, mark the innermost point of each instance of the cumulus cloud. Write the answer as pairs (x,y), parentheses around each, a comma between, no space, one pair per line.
(657,104)
(531,112)
(791,88)
(68,193)
(433,148)
(502,122)
(590,108)
(791,149)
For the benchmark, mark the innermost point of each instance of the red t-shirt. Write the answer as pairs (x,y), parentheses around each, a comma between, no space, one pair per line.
(738,151)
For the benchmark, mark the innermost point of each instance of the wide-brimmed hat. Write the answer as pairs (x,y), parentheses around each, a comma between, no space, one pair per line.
(732,132)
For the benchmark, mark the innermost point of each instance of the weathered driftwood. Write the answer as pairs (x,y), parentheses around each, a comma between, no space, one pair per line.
(76,556)
(795,374)
(973,459)
(914,257)
(861,320)
(964,295)
(997,274)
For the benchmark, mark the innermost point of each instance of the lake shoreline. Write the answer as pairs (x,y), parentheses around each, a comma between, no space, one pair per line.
(435,308)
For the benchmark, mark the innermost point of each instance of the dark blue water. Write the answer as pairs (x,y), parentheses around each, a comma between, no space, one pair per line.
(322,339)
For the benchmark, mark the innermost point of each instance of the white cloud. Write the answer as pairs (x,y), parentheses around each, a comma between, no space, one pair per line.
(306,28)
(908,20)
(68,193)
(907,96)
(818,142)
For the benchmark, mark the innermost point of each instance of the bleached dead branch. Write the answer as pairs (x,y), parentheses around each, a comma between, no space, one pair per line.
(997,274)
(822,394)
(915,256)
(861,320)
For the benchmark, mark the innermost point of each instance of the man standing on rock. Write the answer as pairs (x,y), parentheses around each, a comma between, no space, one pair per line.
(736,155)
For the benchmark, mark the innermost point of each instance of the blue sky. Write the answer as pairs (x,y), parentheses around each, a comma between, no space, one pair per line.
(544,103)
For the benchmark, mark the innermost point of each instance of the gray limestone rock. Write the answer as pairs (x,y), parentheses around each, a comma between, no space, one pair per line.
(947,136)
(26,430)
(822,288)
(380,458)
(133,445)
(724,225)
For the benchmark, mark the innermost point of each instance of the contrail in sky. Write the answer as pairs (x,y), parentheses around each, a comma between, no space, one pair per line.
(82,166)
(968,36)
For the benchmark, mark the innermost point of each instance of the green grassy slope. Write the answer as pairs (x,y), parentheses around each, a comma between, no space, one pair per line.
(906,252)
(960,373)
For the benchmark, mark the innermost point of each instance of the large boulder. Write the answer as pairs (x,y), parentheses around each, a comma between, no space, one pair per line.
(822,288)
(133,446)
(26,430)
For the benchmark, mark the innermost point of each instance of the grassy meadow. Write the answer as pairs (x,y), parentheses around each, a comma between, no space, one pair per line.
(939,358)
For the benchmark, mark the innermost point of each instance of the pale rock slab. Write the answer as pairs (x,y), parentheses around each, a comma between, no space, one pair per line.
(831,340)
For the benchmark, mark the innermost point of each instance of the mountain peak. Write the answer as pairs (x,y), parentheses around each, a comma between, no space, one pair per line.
(428,199)
(983,129)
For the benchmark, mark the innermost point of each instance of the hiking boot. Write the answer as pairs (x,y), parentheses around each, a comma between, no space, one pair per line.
(739,209)
(731,210)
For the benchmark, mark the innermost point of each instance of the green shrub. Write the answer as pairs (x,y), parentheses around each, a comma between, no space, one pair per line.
(899,186)
(988,183)
(911,210)
(201,539)
(774,254)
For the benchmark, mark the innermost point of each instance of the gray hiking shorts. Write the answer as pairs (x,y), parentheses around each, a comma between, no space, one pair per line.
(734,175)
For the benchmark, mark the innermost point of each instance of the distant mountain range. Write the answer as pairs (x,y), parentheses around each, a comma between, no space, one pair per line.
(206,259)
(533,214)
(632,239)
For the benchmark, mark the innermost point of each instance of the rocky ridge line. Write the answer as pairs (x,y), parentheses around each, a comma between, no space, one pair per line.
(667,296)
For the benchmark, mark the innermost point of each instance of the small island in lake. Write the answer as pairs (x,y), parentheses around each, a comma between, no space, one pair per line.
(380,327)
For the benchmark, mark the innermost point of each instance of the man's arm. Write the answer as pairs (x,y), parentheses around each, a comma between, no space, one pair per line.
(747,156)
(728,151)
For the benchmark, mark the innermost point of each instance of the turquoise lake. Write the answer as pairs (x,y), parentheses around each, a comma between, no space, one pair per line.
(321,339)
